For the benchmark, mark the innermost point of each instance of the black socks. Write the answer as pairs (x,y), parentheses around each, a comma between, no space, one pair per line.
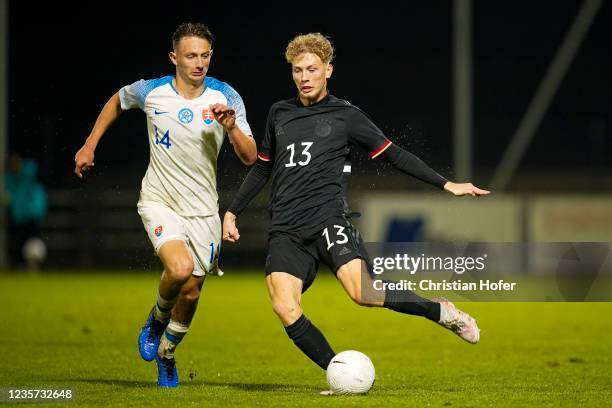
(407,302)
(311,341)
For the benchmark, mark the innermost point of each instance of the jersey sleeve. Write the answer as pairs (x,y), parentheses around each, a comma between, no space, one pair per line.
(266,148)
(253,183)
(234,101)
(135,94)
(366,134)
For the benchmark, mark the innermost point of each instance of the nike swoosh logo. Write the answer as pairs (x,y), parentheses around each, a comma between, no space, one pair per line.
(159,112)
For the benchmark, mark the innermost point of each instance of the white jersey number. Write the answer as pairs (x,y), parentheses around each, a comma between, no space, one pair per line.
(305,152)
(343,238)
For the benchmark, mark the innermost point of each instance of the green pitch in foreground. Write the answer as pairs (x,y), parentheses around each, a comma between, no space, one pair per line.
(79,331)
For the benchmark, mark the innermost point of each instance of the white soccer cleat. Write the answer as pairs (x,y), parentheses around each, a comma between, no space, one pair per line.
(327,393)
(457,321)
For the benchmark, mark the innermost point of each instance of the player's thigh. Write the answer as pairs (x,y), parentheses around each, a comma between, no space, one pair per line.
(289,255)
(341,248)
(339,243)
(284,286)
(204,243)
(285,292)
(167,233)
(161,224)
(358,283)
(349,275)
(176,258)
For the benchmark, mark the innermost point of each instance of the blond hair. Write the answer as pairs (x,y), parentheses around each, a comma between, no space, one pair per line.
(315,43)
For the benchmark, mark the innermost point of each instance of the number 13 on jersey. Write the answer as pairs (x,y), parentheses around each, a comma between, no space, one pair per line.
(305,153)
(342,237)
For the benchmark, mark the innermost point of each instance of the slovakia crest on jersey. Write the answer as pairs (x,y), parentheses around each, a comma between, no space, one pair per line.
(208,116)
(158,231)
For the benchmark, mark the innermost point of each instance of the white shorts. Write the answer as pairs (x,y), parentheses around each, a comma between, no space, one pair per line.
(202,235)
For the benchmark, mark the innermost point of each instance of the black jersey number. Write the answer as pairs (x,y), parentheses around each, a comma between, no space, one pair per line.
(305,153)
(342,237)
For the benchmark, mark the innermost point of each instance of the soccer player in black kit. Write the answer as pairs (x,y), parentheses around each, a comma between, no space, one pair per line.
(306,150)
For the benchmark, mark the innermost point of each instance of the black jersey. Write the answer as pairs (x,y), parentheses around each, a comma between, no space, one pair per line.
(310,149)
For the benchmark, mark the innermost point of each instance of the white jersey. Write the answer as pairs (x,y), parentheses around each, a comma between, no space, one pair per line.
(184,142)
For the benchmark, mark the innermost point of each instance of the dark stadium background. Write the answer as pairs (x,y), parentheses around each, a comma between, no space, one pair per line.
(74,323)
(394,60)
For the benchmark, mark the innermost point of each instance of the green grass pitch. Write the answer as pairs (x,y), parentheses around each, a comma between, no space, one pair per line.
(79,331)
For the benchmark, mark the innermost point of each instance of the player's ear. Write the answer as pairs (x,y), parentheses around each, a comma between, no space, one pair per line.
(328,71)
(172,56)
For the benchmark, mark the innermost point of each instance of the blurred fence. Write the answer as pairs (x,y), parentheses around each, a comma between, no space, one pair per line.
(101,229)
(498,218)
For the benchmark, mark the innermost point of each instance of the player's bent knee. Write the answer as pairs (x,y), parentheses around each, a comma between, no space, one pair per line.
(180,269)
(192,295)
(287,311)
(368,303)
(358,298)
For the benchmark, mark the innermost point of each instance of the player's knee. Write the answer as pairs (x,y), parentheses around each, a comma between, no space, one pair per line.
(180,269)
(357,297)
(192,294)
(286,310)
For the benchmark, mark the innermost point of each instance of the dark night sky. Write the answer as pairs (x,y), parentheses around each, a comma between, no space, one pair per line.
(393,60)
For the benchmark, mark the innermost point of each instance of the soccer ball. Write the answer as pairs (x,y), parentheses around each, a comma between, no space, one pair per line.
(34,252)
(350,372)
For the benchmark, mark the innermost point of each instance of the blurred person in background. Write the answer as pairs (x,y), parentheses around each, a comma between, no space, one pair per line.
(27,208)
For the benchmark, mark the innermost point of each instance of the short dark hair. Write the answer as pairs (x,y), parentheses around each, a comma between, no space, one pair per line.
(192,30)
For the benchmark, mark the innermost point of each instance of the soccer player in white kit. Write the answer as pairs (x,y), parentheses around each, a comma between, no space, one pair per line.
(188,116)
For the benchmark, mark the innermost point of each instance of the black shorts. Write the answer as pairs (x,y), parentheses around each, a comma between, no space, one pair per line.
(335,244)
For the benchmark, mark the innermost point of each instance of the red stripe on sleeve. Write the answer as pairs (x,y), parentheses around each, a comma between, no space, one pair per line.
(263,156)
(380,149)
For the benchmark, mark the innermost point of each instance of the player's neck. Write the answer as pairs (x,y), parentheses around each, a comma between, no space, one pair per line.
(313,101)
(188,90)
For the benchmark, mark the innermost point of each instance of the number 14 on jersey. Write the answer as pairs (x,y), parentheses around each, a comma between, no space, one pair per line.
(165,139)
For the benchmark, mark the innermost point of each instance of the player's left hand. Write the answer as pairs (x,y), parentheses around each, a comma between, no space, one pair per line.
(225,115)
(461,189)
(230,232)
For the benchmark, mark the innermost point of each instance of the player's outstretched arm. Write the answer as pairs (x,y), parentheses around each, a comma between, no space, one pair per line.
(410,164)
(244,145)
(251,186)
(84,158)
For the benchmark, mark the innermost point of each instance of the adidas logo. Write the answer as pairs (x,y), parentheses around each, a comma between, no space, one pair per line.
(344,251)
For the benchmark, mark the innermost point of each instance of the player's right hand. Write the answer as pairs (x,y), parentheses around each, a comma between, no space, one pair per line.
(462,189)
(83,160)
(230,232)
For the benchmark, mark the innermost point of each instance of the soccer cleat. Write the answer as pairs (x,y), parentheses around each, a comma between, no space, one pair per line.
(150,334)
(457,321)
(166,372)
